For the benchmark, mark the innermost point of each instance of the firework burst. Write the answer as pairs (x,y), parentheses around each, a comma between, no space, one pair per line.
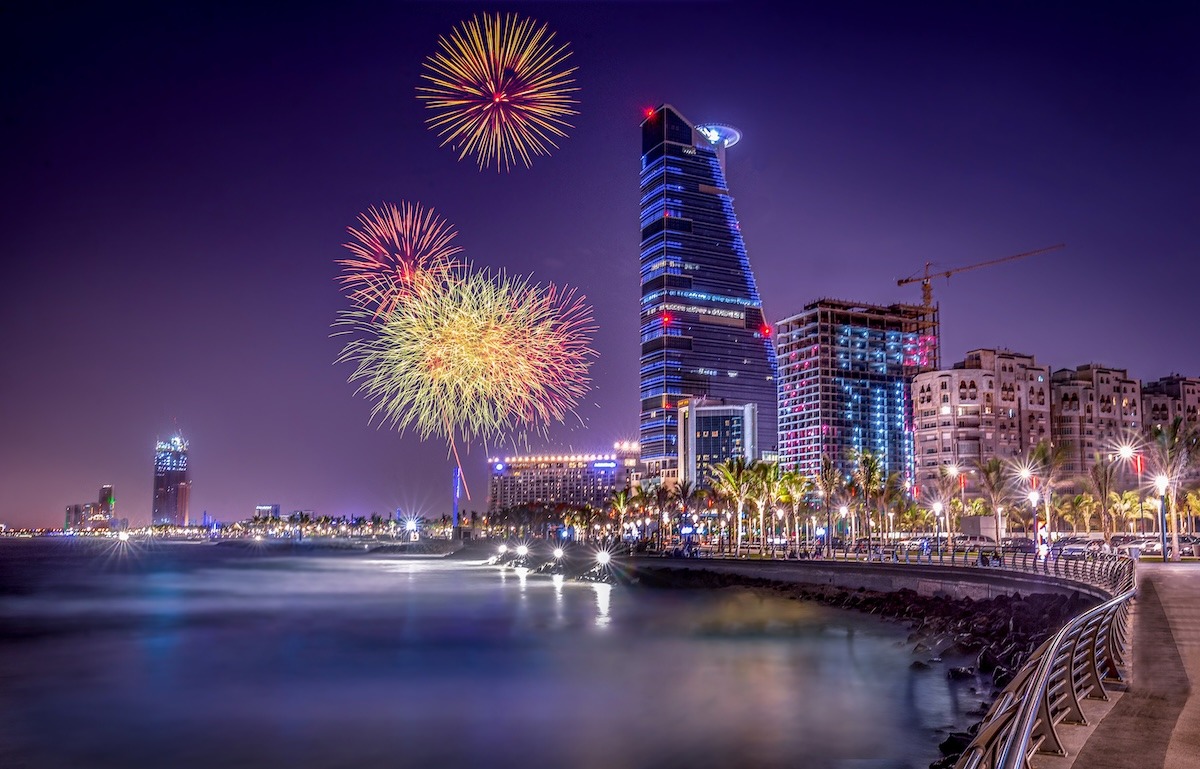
(498,90)
(392,250)
(472,356)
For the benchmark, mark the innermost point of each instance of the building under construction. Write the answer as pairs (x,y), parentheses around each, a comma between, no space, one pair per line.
(845,372)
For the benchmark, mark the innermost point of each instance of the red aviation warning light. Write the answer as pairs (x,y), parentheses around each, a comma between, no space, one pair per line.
(648,112)
(765,330)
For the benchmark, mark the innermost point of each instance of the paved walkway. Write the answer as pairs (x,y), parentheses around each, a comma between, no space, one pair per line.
(1156,723)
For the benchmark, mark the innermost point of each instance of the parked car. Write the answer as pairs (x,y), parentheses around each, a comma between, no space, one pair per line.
(1081,548)
(1137,546)
(1019,545)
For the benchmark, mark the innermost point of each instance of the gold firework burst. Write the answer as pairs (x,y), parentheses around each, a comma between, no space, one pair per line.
(498,90)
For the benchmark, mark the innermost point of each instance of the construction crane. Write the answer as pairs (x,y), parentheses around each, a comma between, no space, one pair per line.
(926,276)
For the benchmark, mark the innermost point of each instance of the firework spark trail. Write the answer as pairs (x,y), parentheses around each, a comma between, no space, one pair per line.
(498,90)
(394,248)
(474,355)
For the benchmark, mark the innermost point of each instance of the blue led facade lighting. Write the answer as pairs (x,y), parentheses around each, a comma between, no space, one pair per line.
(703,333)
(846,370)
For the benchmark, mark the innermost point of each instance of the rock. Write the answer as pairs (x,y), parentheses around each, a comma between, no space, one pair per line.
(1002,677)
(960,673)
(955,744)
(918,665)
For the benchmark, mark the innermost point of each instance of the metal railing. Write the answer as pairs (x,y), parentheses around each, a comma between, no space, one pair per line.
(1069,667)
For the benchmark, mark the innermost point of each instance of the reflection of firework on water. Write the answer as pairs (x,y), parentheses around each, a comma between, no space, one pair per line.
(394,248)
(473,355)
(497,91)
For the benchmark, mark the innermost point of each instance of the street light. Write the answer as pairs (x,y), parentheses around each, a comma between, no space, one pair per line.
(1161,482)
(1128,453)
(937,533)
(844,511)
(1043,546)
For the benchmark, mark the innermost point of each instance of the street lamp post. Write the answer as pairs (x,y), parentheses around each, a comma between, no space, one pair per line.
(937,532)
(1161,482)
(1037,530)
(1127,453)
(843,510)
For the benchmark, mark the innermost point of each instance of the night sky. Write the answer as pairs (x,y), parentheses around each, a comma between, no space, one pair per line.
(177,182)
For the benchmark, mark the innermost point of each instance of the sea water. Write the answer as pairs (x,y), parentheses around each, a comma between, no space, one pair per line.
(135,655)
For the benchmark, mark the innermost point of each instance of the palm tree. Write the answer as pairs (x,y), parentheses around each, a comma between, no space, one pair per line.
(795,489)
(1172,451)
(642,501)
(733,480)
(830,484)
(868,482)
(768,481)
(1101,479)
(685,494)
(996,488)
(1044,469)
(1122,505)
(620,503)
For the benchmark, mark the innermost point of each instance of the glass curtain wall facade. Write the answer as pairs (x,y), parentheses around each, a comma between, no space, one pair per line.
(845,382)
(703,333)
(171,484)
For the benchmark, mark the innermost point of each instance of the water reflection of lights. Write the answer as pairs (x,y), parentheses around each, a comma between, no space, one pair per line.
(603,597)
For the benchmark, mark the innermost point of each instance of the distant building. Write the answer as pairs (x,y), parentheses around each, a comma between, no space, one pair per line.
(554,479)
(93,516)
(993,404)
(73,518)
(845,370)
(172,488)
(1093,410)
(108,502)
(711,432)
(703,333)
(1169,397)
(266,511)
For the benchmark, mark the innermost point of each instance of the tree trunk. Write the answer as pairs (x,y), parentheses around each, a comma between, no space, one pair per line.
(737,551)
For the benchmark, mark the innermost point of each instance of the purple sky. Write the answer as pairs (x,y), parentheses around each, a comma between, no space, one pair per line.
(177,184)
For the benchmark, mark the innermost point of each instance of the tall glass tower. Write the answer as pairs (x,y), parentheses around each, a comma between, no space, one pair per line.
(171,485)
(702,328)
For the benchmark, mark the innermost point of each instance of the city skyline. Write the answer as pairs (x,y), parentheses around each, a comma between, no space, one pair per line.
(181,179)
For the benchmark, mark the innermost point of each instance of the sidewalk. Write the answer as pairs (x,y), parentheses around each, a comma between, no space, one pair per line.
(1156,723)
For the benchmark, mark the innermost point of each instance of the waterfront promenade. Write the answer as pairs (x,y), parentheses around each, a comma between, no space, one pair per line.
(1156,722)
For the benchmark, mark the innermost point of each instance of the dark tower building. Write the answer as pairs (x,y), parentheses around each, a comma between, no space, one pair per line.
(702,328)
(171,484)
(108,502)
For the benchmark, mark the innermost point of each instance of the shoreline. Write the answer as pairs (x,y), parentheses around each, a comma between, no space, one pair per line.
(994,637)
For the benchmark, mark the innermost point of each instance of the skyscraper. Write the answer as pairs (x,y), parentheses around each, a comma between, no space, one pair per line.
(703,333)
(171,485)
(846,374)
(108,502)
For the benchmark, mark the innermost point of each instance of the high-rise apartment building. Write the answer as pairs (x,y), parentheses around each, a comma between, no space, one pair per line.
(712,432)
(1093,409)
(171,485)
(560,479)
(703,333)
(994,404)
(1169,397)
(845,372)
